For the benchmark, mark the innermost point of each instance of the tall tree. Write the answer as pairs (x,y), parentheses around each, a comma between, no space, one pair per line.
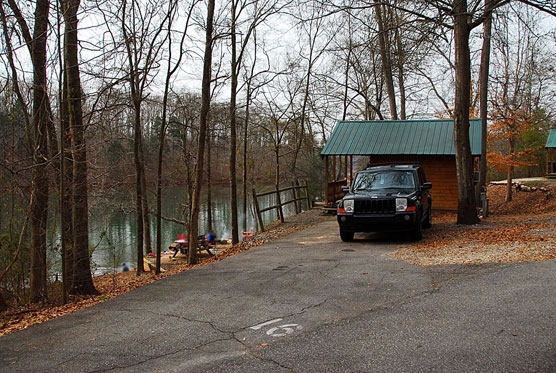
(384,40)
(143,43)
(260,11)
(467,213)
(199,162)
(82,281)
(483,97)
(171,69)
(41,115)
(233,125)
(313,28)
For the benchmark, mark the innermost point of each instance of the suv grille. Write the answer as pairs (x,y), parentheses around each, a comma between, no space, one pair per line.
(375,206)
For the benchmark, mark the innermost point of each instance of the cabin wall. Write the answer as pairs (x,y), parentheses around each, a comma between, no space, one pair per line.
(440,171)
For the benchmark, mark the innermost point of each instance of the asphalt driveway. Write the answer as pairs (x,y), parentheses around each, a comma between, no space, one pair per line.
(310,303)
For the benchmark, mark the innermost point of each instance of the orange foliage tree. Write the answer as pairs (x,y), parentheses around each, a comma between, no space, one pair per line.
(507,128)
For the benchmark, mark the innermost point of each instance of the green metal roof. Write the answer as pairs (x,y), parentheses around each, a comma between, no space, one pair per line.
(551,141)
(426,137)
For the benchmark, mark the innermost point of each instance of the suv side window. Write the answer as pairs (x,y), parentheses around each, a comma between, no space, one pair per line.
(422,178)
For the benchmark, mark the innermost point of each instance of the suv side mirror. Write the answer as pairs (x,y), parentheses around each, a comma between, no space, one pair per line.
(426,186)
(345,189)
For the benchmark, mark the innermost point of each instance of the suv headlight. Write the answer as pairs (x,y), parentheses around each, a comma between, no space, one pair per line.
(348,206)
(401,204)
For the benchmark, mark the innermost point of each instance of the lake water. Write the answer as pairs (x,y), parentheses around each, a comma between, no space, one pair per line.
(112,222)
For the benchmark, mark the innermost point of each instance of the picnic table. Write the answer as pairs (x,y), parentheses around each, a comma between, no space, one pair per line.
(182,244)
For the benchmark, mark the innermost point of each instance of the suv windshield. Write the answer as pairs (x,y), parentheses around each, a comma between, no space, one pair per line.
(387,179)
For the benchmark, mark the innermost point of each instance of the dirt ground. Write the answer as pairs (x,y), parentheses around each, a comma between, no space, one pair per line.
(521,230)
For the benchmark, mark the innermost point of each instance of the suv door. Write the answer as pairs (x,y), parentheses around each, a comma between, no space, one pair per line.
(424,194)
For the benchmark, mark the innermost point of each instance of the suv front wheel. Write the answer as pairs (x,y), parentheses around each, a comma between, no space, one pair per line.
(417,232)
(346,236)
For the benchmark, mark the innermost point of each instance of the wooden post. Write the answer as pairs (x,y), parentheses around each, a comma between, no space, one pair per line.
(307,196)
(334,179)
(334,168)
(346,168)
(350,169)
(326,181)
(258,210)
(549,160)
(279,205)
(294,191)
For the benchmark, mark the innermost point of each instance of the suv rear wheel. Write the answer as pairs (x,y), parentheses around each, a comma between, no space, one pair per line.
(428,221)
(346,236)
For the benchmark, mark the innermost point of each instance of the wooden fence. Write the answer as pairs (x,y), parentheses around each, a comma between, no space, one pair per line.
(297,198)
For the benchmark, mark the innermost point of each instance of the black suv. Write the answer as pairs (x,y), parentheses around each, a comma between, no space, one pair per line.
(386,199)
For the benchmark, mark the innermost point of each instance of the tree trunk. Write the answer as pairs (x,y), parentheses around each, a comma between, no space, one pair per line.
(346,74)
(82,278)
(483,92)
(277,180)
(205,107)
(66,187)
(144,201)
(509,173)
(467,213)
(508,197)
(188,172)
(245,127)
(400,63)
(39,187)
(233,125)
(209,180)
(299,143)
(138,185)
(159,178)
(386,62)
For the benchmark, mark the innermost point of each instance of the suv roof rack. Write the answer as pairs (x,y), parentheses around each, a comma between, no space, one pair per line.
(394,164)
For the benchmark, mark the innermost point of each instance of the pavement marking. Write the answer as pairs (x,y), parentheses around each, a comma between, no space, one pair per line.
(283,330)
(257,327)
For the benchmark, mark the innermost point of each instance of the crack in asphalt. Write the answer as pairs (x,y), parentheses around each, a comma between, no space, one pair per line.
(262,358)
(231,336)
(325,271)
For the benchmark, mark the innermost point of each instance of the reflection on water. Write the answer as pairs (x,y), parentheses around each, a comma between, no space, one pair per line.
(112,225)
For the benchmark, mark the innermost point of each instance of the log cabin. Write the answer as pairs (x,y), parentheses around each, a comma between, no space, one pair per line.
(428,142)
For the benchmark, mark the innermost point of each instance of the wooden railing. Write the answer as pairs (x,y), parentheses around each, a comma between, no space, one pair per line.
(334,191)
(296,198)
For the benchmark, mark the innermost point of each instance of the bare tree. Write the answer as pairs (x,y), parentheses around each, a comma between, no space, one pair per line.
(170,71)
(483,92)
(314,29)
(41,115)
(82,281)
(143,43)
(259,13)
(199,162)
(384,41)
